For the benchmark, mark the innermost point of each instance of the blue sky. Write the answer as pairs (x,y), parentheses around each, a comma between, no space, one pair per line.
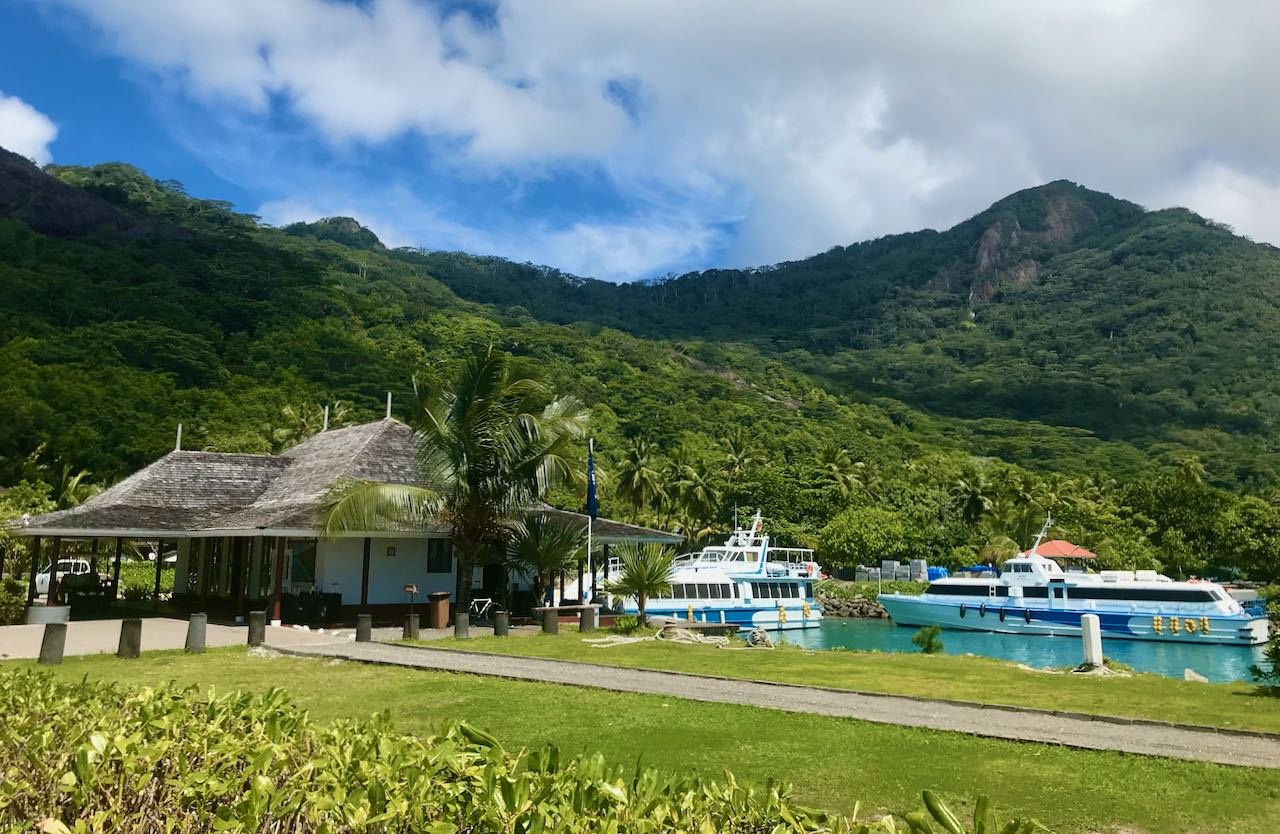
(627,140)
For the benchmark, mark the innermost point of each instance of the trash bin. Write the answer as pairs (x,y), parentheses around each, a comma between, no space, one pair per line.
(438,609)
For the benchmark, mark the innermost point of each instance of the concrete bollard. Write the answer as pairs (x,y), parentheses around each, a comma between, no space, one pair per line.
(588,619)
(461,625)
(196,628)
(53,644)
(1091,636)
(364,628)
(130,639)
(257,628)
(551,622)
(501,624)
(411,627)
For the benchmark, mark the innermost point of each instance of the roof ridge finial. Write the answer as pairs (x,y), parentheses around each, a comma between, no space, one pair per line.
(177,443)
(388,405)
(325,425)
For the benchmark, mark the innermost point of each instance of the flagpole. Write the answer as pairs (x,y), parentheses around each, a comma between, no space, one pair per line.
(591,568)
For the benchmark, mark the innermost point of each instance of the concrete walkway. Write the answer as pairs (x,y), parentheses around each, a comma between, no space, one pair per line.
(994,722)
(103,636)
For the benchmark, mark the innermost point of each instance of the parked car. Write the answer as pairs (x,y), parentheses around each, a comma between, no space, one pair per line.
(66,568)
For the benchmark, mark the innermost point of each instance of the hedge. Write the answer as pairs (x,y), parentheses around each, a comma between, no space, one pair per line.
(92,757)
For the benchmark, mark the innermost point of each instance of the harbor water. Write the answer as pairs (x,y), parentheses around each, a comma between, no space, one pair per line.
(1217,663)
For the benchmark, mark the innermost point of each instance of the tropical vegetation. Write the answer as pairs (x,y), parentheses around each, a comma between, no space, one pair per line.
(493,441)
(1092,791)
(543,549)
(645,574)
(1062,352)
(191,761)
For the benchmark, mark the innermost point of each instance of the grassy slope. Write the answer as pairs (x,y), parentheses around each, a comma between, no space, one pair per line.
(926,676)
(833,762)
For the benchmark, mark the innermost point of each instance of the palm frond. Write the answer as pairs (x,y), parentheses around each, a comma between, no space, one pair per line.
(359,506)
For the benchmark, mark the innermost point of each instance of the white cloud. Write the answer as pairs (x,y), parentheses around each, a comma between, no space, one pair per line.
(811,124)
(25,130)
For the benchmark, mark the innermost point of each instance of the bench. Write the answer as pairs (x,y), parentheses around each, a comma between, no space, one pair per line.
(588,616)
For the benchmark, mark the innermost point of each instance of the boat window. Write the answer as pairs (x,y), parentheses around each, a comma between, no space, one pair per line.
(955,590)
(702,591)
(1143,594)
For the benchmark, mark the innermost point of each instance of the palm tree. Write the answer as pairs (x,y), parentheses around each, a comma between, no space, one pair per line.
(488,450)
(838,471)
(639,479)
(740,454)
(542,549)
(971,496)
(646,573)
(74,488)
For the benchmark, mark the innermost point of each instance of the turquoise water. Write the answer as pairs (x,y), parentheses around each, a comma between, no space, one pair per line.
(1217,663)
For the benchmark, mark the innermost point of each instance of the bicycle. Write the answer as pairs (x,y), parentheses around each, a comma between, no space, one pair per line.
(480,607)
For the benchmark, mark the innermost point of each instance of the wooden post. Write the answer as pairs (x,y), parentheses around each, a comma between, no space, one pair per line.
(52,596)
(606,563)
(93,557)
(155,599)
(279,585)
(115,572)
(581,588)
(35,566)
(364,575)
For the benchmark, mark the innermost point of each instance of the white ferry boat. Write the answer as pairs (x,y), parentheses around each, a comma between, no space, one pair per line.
(745,582)
(1033,595)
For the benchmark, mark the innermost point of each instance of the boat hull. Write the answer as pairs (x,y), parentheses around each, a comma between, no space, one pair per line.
(744,617)
(975,616)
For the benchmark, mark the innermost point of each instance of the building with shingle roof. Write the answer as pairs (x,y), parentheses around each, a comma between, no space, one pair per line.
(247,528)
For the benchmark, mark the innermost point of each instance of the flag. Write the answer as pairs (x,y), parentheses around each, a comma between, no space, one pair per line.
(593,504)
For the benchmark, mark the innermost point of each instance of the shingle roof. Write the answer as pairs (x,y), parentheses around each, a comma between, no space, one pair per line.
(193,492)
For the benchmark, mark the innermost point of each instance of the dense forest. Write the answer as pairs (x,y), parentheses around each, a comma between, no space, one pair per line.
(934,393)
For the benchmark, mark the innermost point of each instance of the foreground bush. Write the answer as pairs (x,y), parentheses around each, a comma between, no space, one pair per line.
(94,758)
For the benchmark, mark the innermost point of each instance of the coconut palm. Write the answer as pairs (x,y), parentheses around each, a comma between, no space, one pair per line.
(488,449)
(740,454)
(543,549)
(837,470)
(639,478)
(646,573)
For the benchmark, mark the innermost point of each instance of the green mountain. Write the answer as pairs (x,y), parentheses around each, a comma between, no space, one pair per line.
(1057,304)
(961,382)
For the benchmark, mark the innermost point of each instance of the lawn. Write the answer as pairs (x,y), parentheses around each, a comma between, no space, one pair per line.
(951,677)
(832,762)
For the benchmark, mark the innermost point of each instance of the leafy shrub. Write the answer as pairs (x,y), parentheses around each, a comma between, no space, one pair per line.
(1268,672)
(867,590)
(135,592)
(186,761)
(929,639)
(13,601)
(625,624)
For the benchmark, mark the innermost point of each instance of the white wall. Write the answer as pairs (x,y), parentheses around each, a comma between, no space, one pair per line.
(342,561)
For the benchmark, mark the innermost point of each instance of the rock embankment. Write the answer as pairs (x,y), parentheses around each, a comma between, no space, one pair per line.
(861,608)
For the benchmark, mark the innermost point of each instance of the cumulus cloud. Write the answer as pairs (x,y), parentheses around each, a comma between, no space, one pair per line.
(804,125)
(25,130)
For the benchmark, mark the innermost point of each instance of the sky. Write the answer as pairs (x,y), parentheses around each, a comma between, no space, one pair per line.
(627,140)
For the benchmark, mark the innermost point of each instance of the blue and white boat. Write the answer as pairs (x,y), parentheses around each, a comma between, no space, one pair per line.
(745,582)
(1033,595)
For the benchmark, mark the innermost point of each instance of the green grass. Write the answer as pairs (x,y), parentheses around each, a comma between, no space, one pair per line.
(1236,705)
(832,762)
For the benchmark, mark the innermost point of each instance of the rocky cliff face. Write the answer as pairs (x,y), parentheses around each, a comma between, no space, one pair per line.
(52,207)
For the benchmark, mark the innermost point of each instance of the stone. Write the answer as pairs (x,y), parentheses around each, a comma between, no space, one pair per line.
(461,625)
(257,628)
(1193,675)
(53,643)
(130,646)
(364,628)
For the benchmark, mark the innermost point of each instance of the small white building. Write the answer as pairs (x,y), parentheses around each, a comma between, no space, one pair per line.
(248,535)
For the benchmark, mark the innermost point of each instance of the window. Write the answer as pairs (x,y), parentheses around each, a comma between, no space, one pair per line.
(302,562)
(704,591)
(439,556)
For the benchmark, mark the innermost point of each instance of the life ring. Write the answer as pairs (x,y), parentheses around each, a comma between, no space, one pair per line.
(962,610)
(982,610)
(1026,615)
(1002,615)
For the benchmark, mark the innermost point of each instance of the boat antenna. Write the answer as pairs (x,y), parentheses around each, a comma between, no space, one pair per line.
(1044,531)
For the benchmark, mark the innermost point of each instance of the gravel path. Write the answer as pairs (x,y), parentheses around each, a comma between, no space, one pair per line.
(995,722)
